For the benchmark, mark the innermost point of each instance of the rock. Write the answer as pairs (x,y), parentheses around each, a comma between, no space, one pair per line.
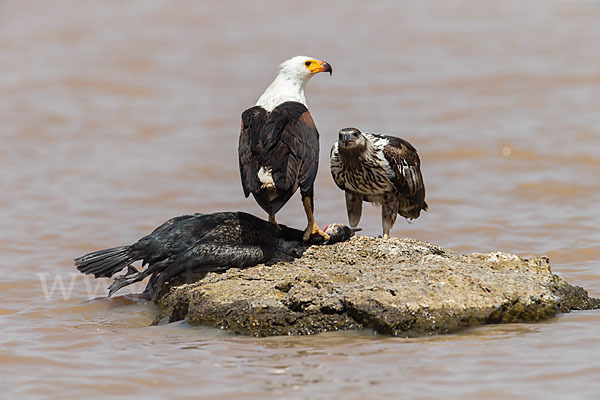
(400,287)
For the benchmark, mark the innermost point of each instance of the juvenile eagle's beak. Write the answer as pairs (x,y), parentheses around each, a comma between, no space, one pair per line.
(347,138)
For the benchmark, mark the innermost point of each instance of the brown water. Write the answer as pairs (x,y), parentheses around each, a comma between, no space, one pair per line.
(115,116)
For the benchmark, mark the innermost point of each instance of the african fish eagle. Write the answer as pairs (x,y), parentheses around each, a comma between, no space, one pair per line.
(380,169)
(279,143)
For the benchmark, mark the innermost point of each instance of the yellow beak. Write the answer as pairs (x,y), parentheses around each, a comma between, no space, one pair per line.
(319,66)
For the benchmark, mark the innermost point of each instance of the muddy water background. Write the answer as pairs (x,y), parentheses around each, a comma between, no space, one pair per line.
(115,116)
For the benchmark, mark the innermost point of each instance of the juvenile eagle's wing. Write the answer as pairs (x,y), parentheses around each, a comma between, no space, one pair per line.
(406,166)
(336,167)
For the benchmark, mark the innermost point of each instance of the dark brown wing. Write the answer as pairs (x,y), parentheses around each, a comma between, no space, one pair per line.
(405,164)
(286,142)
(253,120)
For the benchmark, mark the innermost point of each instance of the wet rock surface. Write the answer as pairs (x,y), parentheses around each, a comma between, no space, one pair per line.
(400,287)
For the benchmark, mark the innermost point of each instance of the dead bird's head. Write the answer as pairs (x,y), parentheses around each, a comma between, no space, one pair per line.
(339,233)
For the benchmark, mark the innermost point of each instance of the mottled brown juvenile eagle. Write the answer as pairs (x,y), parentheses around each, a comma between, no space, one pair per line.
(380,169)
(279,143)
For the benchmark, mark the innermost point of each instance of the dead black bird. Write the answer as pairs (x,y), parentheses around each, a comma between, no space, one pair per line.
(199,242)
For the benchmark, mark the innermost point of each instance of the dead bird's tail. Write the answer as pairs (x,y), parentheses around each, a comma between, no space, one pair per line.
(105,263)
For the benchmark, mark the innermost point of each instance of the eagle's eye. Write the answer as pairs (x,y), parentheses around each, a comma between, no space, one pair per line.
(307,63)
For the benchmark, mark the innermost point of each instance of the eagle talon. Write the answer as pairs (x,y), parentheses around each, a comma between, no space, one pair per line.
(316,231)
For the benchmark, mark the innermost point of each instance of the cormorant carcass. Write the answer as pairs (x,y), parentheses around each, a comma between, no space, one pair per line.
(199,242)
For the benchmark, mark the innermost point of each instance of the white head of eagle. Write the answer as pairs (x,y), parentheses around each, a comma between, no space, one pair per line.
(290,81)
(279,143)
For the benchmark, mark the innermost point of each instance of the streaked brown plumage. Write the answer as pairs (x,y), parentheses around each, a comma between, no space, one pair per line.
(379,169)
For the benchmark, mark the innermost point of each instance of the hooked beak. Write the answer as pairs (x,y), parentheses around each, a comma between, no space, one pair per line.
(325,67)
(316,66)
(347,139)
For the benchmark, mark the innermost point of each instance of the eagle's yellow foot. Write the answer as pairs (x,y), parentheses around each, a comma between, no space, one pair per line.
(385,236)
(313,229)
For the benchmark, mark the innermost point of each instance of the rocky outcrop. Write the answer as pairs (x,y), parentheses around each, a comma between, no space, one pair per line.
(399,287)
